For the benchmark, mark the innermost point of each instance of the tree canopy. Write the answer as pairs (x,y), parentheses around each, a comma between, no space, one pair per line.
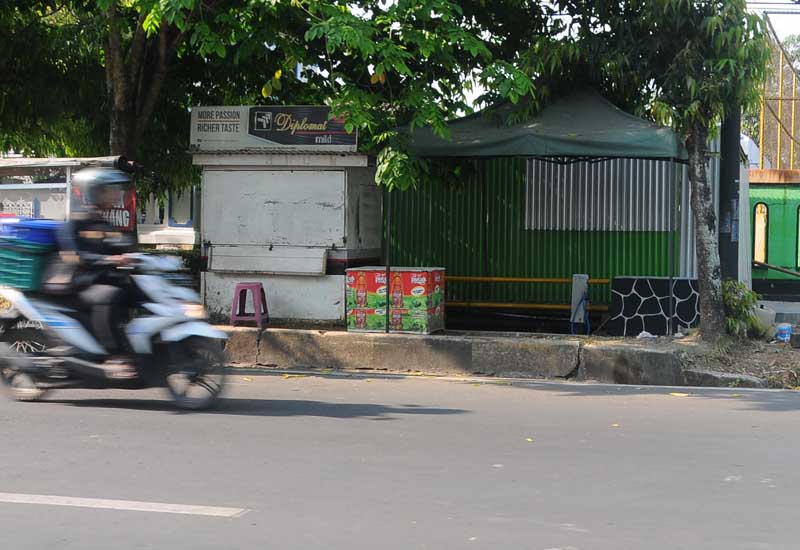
(689,64)
(119,76)
(47,71)
(122,74)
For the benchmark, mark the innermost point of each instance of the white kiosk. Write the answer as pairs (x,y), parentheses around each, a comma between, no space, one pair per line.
(287,202)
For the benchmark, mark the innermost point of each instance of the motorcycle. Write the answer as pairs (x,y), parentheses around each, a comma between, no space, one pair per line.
(45,343)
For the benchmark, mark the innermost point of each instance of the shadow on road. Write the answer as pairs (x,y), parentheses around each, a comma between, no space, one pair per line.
(762,400)
(743,399)
(267,407)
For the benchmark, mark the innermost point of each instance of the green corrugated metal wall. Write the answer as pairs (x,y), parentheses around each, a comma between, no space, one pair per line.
(451,226)
(782,203)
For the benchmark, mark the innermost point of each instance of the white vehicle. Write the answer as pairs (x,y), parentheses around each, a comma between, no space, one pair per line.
(46,342)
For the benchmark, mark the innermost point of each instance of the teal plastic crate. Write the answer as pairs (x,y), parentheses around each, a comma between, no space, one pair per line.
(21,263)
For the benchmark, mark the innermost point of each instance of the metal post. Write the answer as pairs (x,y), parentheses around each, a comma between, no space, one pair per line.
(671,246)
(68,191)
(729,165)
(780,113)
(486,289)
(388,256)
(794,111)
(761,126)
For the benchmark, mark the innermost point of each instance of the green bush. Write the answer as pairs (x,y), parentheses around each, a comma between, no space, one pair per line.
(191,261)
(740,302)
(190,258)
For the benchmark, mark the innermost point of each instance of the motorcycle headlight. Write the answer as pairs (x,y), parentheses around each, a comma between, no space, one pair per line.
(195,311)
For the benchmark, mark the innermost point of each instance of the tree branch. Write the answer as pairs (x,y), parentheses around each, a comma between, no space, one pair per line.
(54,9)
(115,73)
(173,47)
(156,83)
(140,78)
(165,50)
(136,54)
(148,84)
(191,19)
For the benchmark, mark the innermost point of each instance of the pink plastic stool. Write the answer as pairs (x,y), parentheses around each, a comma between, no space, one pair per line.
(238,314)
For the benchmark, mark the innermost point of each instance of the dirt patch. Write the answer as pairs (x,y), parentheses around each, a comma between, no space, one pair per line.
(775,363)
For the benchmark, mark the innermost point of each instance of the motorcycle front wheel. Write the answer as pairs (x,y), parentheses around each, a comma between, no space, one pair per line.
(12,373)
(195,374)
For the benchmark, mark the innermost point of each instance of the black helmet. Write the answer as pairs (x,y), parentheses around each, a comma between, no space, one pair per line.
(88,182)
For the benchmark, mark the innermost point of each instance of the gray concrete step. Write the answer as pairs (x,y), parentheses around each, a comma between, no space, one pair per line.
(785,312)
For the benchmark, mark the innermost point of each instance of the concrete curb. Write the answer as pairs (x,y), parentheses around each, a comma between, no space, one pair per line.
(714,379)
(630,364)
(533,357)
(482,354)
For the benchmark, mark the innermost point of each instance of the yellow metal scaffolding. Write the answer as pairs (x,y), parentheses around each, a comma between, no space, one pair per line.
(778,132)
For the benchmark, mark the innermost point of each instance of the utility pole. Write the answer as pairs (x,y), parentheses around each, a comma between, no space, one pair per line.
(729,195)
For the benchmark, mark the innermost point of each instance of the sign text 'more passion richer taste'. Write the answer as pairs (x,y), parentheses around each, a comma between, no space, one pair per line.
(277,127)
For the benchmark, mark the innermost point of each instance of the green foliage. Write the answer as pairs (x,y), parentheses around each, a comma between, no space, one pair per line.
(53,70)
(703,58)
(740,320)
(191,260)
(398,169)
(687,63)
(382,65)
(792,46)
(680,62)
(683,63)
(48,73)
(192,263)
(410,63)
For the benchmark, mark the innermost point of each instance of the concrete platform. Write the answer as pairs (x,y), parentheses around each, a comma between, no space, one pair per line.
(520,355)
(785,312)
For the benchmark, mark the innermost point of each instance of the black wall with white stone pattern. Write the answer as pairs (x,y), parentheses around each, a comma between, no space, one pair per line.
(642,303)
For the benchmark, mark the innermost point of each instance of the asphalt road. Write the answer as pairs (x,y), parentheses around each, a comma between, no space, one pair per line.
(366,463)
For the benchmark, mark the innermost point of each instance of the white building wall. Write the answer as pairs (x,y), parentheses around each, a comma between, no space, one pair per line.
(46,203)
(288,296)
(277,224)
(274,207)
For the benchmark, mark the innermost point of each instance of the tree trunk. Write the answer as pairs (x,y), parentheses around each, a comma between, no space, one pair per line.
(134,80)
(122,130)
(121,117)
(712,317)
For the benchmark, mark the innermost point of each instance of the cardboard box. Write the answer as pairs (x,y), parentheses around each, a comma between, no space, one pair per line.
(416,299)
(366,320)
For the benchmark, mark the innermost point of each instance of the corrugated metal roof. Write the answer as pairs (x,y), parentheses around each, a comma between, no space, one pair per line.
(18,164)
(278,151)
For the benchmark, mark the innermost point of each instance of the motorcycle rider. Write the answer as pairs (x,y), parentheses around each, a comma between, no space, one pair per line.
(87,246)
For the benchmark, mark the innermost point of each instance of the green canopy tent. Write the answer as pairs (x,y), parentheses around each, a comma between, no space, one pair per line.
(578,127)
(581,127)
